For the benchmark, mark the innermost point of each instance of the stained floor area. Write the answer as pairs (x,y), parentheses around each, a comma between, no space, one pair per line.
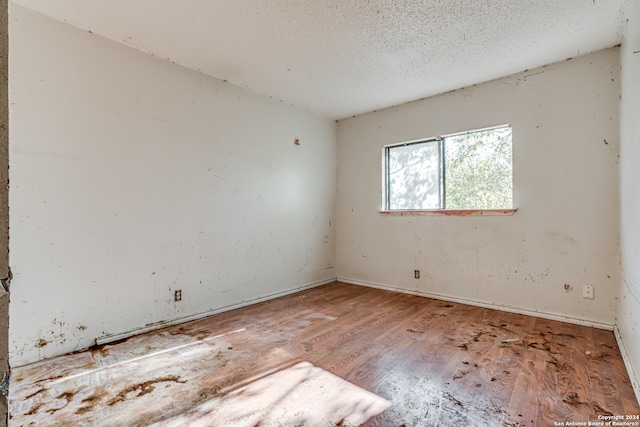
(436,363)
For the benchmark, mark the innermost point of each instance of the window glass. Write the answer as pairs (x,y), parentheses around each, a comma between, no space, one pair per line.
(414,178)
(471,170)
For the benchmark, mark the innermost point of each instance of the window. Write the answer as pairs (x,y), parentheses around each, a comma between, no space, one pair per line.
(464,171)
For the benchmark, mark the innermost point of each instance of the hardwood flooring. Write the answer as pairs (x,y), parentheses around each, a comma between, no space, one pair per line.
(437,363)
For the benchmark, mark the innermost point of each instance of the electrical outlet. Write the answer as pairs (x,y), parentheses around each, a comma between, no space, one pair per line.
(587,291)
(416,274)
(177,296)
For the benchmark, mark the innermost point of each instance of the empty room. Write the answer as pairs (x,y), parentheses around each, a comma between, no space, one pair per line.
(320,213)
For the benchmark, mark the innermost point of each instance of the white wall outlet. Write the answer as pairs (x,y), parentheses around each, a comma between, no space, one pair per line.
(587,291)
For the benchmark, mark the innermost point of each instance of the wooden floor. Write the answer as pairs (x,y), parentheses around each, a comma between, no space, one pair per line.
(438,363)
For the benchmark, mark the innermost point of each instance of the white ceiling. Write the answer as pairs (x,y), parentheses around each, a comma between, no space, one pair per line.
(340,58)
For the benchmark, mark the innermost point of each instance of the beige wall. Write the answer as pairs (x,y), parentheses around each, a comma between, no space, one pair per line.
(628,316)
(133,177)
(4,207)
(565,159)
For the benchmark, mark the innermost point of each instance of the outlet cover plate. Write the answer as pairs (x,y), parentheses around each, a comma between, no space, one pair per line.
(587,291)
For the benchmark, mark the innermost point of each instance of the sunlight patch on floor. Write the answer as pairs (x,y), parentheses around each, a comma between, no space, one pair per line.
(300,395)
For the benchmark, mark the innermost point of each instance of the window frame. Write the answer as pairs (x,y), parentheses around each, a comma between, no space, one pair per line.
(442,176)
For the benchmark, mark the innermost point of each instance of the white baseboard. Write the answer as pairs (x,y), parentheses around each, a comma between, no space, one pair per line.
(627,363)
(165,323)
(510,309)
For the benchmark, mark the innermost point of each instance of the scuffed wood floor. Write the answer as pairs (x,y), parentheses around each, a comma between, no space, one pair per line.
(438,363)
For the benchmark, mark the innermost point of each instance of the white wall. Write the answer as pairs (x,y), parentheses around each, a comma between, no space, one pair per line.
(132,177)
(628,316)
(566,189)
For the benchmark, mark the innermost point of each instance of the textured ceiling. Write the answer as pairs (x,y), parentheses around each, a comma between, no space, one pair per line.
(340,58)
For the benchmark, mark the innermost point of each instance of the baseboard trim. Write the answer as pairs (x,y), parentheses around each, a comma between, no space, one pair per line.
(165,323)
(635,383)
(543,315)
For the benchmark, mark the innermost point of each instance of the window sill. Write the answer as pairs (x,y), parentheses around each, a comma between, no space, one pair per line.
(451,212)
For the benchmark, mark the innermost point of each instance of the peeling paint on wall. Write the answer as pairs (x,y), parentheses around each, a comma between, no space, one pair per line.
(628,307)
(5,272)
